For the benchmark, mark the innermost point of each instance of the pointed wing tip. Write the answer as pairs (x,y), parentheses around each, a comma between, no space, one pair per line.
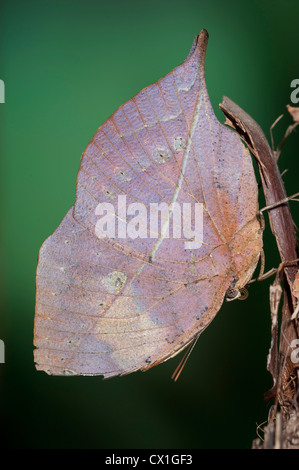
(199,43)
(198,48)
(203,36)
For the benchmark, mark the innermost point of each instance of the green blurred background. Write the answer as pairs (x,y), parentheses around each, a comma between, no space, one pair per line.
(67,66)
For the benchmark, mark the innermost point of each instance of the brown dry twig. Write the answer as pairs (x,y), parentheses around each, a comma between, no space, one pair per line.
(282,430)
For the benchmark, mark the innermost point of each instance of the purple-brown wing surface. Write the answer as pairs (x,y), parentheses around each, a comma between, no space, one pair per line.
(111,305)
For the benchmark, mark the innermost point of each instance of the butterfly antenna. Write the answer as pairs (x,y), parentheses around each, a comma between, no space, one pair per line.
(183,361)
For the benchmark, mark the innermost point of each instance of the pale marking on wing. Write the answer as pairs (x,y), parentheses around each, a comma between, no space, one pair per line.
(145,150)
(170,146)
(157,166)
(138,175)
(193,83)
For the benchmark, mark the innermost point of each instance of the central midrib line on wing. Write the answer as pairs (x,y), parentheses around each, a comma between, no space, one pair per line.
(178,186)
(180,180)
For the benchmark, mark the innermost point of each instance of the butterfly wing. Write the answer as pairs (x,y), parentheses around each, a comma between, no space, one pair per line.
(118,304)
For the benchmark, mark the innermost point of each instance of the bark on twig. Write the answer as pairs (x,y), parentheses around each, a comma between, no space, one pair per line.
(282,430)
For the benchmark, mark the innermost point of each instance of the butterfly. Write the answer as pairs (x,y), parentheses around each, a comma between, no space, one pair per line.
(116,293)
